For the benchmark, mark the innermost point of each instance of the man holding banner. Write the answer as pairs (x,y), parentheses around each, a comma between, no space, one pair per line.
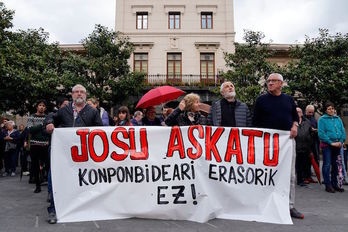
(76,114)
(276,110)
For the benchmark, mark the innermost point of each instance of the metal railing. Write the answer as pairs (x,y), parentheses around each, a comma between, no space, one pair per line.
(184,80)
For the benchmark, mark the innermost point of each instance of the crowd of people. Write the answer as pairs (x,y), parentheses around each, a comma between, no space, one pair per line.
(273,110)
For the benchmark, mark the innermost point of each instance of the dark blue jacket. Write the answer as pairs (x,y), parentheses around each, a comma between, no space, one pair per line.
(275,112)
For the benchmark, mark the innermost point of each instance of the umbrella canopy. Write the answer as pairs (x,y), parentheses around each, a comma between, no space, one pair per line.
(159,95)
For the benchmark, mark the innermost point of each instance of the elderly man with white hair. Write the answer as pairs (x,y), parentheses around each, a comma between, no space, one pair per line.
(76,114)
(309,114)
(277,110)
(10,137)
(229,111)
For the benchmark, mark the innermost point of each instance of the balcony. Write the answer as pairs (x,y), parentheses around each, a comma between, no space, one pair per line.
(184,80)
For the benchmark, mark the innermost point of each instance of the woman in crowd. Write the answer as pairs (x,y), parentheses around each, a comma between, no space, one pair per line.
(11,137)
(103,113)
(165,113)
(123,117)
(332,136)
(137,119)
(187,113)
(150,118)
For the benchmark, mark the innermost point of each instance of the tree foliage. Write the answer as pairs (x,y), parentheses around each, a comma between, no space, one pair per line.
(31,68)
(6,17)
(107,72)
(31,71)
(319,70)
(249,66)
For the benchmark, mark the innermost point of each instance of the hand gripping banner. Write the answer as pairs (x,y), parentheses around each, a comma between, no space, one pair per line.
(191,173)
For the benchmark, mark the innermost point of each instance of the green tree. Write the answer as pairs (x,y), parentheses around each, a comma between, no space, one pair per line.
(6,17)
(319,70)
(32,68)
(249,66)
(33,71)
(107,72)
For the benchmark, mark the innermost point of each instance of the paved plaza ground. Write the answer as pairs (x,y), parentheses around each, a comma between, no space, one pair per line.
(22,210)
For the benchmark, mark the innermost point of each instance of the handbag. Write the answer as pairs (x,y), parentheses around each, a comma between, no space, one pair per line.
(10,146)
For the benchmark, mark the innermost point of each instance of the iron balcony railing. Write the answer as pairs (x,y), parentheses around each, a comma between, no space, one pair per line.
(184,80)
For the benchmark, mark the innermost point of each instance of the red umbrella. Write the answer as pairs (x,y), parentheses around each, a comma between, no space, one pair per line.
(315,167)
(159,95)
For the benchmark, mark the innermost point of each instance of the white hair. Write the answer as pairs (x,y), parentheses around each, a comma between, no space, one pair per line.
(222,85)
(137,113)
(309,107)
(10,122)
(78,86)
(279,76)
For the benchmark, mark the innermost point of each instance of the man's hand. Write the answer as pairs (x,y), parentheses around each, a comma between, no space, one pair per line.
(293,131)
(49,128)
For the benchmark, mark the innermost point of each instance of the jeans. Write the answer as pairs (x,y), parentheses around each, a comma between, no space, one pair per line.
(344,173)
(51,208)
(345,152)
(330,161)
(10,158)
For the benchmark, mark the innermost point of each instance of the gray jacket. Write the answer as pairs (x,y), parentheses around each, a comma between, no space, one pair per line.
(242,114)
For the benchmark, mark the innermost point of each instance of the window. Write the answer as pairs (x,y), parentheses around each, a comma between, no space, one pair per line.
(140,62)
(207,66)
(206,20)
(174,20)
(142,20)
(174,66)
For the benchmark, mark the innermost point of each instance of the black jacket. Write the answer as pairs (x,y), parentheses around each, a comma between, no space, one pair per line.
(64,117)
(304,136)
(180,118)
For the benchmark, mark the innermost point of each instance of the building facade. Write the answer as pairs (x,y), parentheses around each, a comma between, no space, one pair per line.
(178,41)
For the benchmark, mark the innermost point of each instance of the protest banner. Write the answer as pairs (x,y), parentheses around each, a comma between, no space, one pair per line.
(194,173)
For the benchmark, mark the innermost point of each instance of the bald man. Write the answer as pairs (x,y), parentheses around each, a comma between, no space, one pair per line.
(277,110)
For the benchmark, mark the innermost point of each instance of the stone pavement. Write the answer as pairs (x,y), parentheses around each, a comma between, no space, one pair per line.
(22,210)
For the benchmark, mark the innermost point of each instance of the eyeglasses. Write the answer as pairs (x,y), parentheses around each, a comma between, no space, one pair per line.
(272,81)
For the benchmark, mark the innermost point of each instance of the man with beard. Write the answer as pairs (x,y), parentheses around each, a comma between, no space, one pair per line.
(229,111)
(76,114)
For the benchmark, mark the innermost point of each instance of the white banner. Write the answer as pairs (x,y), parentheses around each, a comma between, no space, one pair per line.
(191,173)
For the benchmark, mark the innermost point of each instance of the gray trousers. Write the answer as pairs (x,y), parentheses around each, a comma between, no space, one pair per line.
(293,177)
